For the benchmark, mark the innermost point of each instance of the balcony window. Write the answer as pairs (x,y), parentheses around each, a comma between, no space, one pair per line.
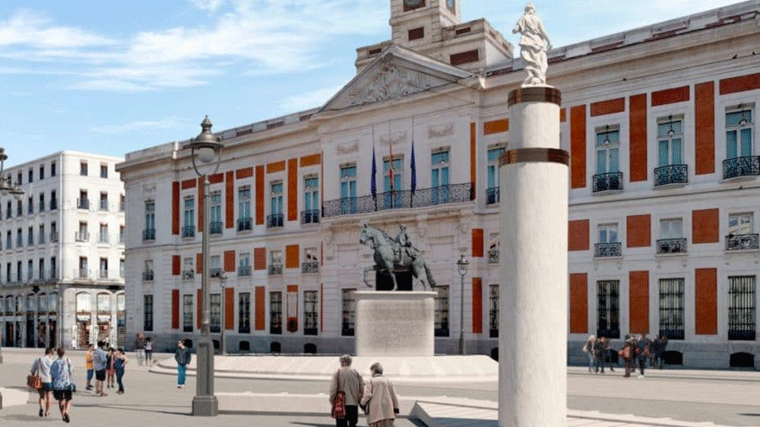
(216,266)
(739,140)
(671,237)
(494,177)
(42,202)
(393,182)
(83,202)
(311,264)
(275,266)
(188,229)
(215,208)
(608,245)
(439,176)
(741,235)
(347,202)
(245,222)
(148,271)
(244,264)
(275,219)
(454,193)
(30,205)
(608,176)
(310,215)
(188,269)
(53,201)
(671,168)
(103,201)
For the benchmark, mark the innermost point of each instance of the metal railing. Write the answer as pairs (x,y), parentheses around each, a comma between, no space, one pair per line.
(82,236)
(215,273)
(452,193)
(103,205)
(188,231)
(83,203)
(605,250)
(244,270)
(492,195)
(671,246)
(215,227)
(274,269)
(671,174)
(53,204)
(245,224)
(611,181)
(54,237)
(188,274)
(310,217)
(737,242)
(82,274)
(310,267)
(274,220)
(147,276)
(103,274)
(149,234)
(741,166)
(493,256)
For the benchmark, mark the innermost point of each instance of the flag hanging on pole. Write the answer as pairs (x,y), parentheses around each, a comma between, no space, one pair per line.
(414,169)
(372,179)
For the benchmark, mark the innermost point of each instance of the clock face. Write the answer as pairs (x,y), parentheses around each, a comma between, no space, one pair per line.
(413,3)
(451,4)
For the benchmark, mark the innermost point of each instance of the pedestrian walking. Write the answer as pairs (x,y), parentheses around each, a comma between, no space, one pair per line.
(599,349)
(74,343)
(642,351)
(183,357)
(607,358)
(348,381)
(627,353)
(661,350)
(100,361)
(379,399)
(41,367)
(119,362)
(61,373)
(88,365)
(140,348)
(149,351)
(588,348)
(110,372)
(653,346)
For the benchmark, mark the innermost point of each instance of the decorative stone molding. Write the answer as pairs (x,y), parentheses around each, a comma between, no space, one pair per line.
(347,148)
(394,138)
(393,83)
(439,131)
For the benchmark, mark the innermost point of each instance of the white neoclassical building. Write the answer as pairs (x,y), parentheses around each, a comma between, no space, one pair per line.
(660,123)
(62,252)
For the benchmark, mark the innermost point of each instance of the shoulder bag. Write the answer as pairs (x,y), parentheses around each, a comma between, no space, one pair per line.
(33,380)
(339,404)
(72,386)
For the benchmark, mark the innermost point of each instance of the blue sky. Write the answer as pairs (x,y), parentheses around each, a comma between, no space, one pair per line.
(113,76)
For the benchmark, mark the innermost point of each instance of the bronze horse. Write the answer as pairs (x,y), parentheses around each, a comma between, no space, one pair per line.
(391,256)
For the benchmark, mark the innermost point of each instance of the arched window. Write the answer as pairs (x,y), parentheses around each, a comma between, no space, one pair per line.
(84,302)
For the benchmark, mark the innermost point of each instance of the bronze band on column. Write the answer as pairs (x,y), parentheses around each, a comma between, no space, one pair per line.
(534,94)
(534,155)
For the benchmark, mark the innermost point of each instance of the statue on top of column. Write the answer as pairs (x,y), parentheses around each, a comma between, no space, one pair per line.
(534,43)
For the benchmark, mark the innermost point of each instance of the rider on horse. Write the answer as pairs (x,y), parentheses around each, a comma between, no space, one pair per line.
(404,246)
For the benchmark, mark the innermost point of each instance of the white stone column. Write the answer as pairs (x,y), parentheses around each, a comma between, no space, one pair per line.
(533,269)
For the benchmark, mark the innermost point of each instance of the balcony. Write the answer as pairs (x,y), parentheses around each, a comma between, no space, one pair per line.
(274,220)
(104,205)
(671,246)
(215,273)
(188,231)
(41,239)
(244,270)
(671,174)
(149,234)
(103,274)
(275,269)
(53,237)
(188,274)
(82,274)
(492,195)
(147,276)
(493,256)
(245,224)
(82,236)
(53,204)
(607,250)
(741,166)
(453,193)
(83,203)
(310,217)
(739,242)
(612,181)
(103,238)
(310,267)
(215,227)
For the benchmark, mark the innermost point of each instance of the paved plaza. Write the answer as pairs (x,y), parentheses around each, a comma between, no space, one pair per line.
(664,398)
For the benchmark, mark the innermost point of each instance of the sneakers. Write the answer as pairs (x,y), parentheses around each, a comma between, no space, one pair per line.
(41,412)
(641,376)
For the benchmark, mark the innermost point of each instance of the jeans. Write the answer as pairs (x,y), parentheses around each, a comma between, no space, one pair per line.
(181,374)
(119,376)
(642,363)
(90,373)
(590,361)
(140,356)
(352,417)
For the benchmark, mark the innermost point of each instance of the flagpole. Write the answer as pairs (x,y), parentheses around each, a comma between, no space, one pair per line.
(390,163)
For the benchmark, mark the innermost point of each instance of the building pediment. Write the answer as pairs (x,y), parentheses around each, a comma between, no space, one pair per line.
(395,74)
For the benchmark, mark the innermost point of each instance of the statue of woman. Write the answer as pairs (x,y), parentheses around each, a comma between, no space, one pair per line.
(534,43)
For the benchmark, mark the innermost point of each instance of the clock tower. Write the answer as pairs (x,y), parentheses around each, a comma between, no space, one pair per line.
(417,23)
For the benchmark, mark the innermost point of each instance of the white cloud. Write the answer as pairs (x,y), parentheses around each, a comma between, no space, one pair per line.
(36,31)
(141,125)
(307,100)
(209,5)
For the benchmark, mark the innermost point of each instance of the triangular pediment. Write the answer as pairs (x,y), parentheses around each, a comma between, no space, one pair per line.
(395,74)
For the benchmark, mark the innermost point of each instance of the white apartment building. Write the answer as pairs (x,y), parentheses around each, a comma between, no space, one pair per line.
(62,253)
(660,124)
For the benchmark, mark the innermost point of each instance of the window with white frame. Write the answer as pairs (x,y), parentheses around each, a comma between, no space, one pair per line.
(245,221)
(671,236)
(188,228)
(608,233)
(670,141)
(188,268)
(310,312)
(244,264)
(393,172)
(275,312)
(348,304)
(216,265)
(187,313)
(439,176)
(739,132)
(275,265)
(607,150)
(275,205)
(215,208)
(348,189)
(741,233)
(608,244)
(215,312)
(244,312)
(311,200)
(311,262)
(494,177)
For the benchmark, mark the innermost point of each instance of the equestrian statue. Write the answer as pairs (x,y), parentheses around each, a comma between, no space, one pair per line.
(396,255)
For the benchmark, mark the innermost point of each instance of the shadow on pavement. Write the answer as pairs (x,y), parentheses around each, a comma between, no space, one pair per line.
(26,418)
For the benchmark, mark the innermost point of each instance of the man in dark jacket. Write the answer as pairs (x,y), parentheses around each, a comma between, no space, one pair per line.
(182,356)
(630,345)
(661,350)
(642,351)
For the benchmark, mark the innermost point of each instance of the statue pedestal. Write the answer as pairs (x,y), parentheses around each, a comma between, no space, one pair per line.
(395,323)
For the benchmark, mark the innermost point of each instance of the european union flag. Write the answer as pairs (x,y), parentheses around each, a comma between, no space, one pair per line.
(373,181)
(414,170)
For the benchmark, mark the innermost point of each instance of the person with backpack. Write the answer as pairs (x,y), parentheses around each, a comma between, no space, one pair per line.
(41,367)
(61,373)
(598,349)
(642,352)
(346,390)
(100,360)
(183,357)
(588,348)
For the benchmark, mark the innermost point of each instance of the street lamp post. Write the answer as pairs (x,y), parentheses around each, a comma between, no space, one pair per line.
(223,284)
(206,153)
(7,187)
(462,265)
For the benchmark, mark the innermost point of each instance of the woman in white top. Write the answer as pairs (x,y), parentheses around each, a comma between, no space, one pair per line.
(41,367)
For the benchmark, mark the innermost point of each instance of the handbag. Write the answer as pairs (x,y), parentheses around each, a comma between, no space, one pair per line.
(33,380)
(72,387)
(339,404)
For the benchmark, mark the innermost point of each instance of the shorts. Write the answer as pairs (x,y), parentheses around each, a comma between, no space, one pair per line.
(62,394)
(100,375)
(46,387)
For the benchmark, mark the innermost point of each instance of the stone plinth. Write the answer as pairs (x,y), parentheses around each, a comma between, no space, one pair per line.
(395,323)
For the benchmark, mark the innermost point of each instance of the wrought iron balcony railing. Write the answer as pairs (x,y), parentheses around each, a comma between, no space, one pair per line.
(493,256)
(103,274)
(54,237)
(82,274)
(244,270)
(83,203)
(671,246)
(149,234)
(53,204)
(310,267)
(738,242)
(741,166)
(188,231)
(215,227)
(215,273)
(671,174)
(606,250)
(245,224)
(492,195)
(188,274)
(275,269)
(310,217)
(452,193)
(274,220)
(147,276)
(82,236)
(611,181)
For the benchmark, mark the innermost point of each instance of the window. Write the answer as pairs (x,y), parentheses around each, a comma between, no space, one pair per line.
(150,220)
(103,237)
(439,177)
(244,264)
(348,189)
(349,312)
(187,313)
(215,307)
(53,201)
(82,235)
(31,175)
(104,171)
(41,233)
(310,312)
(741,308)
(18,271)
(311,200)
(188,229)
(103,303)
(19,239)
(216,266)
(9,240)
(42,172)
(493,311)
(148,312)
(103,201)
(275,218)
(83,202)
(275,266)
(83,168)
(122,234)
(671,236)
(30,237)
(494,177)
(607,175)
(53,270)
(245,221)
(671,169)
(244,312)
(121,268)
(672,308)
(188,271)
(18,178)
(122,202)
(19,208)
(41,269)
(103,268)
(442,311)
(83,268)
(53,232)
(608,245)
(393,182)
(42,202)
(275,312)
(52,169)
(30,205)
(84,303)
(739,133)
(9,211)
(148,272)
(608,303)
(30,270)
(215,207)
(740,232)
(8,272)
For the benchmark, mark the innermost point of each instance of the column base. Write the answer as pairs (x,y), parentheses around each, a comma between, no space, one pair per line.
(205,406)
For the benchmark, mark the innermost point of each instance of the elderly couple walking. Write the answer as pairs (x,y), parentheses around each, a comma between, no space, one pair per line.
(376,397)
